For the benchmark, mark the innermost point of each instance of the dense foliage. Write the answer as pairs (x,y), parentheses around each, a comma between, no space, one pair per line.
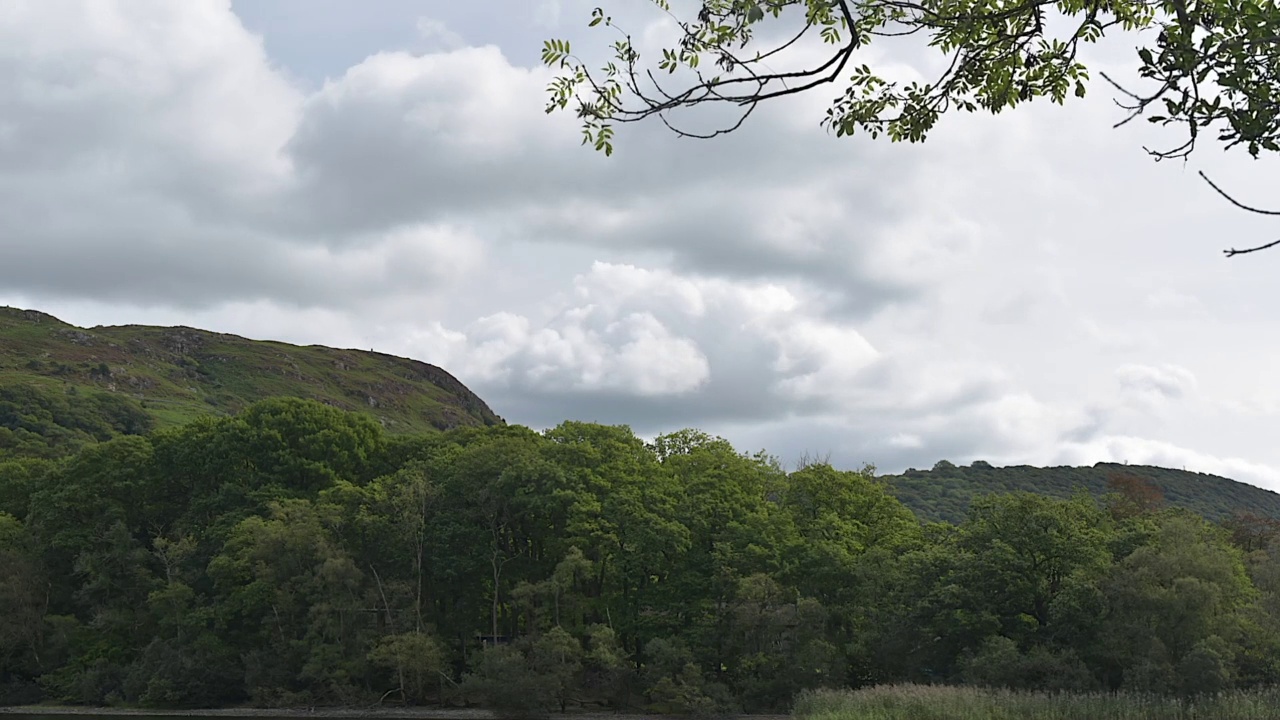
(946,491)
(43,423)
(296,553)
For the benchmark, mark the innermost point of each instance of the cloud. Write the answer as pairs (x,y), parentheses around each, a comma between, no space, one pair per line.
(193,163)
(1149,384)
(981,296)
(1145,451)
(585,350)
(687,348)
(437,33)
(151,154)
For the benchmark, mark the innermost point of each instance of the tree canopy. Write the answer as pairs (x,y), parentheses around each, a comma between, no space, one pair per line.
(295,554)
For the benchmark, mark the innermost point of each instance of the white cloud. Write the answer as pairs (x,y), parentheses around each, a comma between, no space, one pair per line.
(983,295)
(1144,451)
(632,330)
(437,33)
(1148,383)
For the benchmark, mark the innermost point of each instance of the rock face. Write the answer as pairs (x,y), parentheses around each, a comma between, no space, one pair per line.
(183,372)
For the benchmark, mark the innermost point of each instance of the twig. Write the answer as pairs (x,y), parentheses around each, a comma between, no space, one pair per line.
(1236,202)
(1233,252)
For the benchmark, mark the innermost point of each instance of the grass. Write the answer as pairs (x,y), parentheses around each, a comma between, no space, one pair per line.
(937,702)
(178,374)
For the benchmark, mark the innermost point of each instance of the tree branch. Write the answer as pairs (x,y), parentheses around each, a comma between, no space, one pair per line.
(1233,252)
(1236,202)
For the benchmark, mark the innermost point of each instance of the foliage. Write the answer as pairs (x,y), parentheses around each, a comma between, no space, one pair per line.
(946,491)
(62,387)
(295,554)
(416,661)
(1207,65)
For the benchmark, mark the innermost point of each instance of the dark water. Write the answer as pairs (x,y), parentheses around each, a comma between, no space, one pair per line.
(324,714)
(100,716)
(298,714)
(192,715)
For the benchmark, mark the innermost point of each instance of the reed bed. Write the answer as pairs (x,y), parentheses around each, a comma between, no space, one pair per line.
(937,702)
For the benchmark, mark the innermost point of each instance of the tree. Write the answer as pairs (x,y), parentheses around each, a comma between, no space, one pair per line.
(23,600)
(526,678)
(1132,495)
(1214,66)
(289,591)
(1172,606)
(1022,567)
(416,659)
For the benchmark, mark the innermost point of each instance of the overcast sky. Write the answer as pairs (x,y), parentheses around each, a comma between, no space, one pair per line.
(1024,289)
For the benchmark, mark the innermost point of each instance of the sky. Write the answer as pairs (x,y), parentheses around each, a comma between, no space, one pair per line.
(1028,288)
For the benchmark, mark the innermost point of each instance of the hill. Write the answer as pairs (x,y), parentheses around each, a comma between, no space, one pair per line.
(62,385)
(944,493)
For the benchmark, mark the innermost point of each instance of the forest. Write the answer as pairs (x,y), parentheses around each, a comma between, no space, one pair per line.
(297,554)
(946,491)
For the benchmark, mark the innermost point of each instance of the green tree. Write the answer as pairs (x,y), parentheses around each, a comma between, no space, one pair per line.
(1022,566)
(780,644)
(674,683)
(624,519)
(1174,608)
(290,597)
(839,516)
(416,661)
(530,676)
(23,603)
(734,531)
(1022,552)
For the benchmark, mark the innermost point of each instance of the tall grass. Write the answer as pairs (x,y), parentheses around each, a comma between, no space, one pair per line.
(926,702)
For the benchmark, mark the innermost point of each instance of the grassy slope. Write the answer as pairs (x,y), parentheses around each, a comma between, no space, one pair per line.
(945,492)
(181,373)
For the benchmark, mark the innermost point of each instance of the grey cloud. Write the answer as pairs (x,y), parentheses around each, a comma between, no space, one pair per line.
(158,257)
(451,138)
(990,270)
(366,157)
(1168,381)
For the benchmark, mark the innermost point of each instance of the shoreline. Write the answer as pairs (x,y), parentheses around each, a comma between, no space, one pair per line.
(399,713)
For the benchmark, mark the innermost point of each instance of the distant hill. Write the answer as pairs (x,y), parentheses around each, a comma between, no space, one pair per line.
(61,385)
(944,493)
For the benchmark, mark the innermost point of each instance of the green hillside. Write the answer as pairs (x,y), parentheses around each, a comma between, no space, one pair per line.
(61,385)
(944,493)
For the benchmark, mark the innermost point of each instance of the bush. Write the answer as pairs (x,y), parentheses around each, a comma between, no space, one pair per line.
(503,677)
(1001,664)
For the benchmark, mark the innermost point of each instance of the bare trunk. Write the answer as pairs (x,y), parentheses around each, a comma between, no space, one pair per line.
(386,606)
(497,574)
(417,600)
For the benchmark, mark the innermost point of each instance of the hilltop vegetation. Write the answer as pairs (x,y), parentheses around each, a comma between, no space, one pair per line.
(946,491)
(299,554)
(62,386)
